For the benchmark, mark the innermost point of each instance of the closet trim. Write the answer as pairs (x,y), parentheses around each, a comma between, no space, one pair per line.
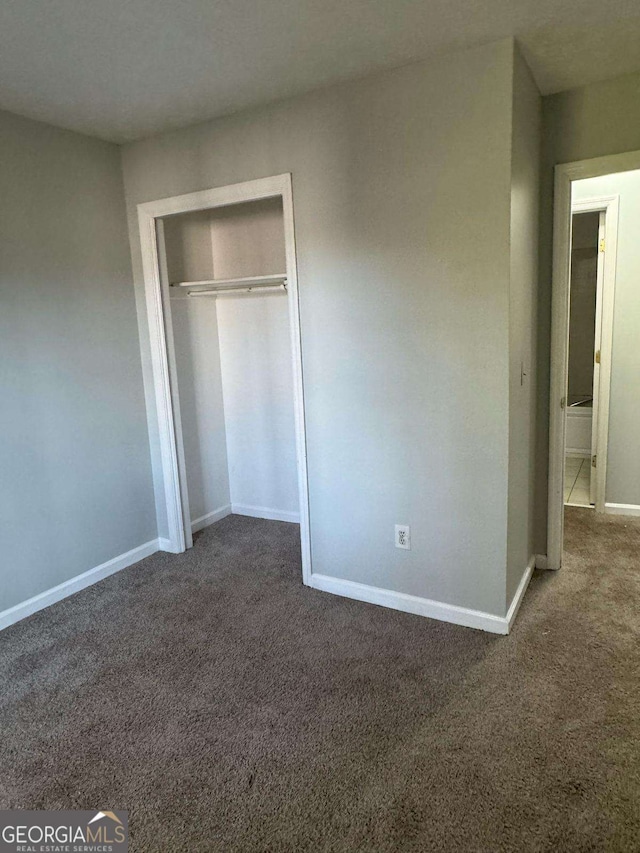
(172,492)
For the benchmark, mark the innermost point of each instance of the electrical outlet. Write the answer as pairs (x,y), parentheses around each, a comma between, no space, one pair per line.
(403,536)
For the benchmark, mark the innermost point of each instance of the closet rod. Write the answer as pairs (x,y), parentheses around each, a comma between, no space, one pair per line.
(249,281)
(228,290)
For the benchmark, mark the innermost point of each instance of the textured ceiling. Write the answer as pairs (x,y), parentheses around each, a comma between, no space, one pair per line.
(122,69)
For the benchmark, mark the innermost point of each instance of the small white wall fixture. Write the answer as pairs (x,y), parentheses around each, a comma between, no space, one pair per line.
(565,175)
(150,215)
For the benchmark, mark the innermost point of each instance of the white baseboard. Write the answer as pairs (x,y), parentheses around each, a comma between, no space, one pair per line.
(67,588)
(223,511)
(425,606)
(516,601)
(541,561)
(622,509)
(577,452)
(265,512)
(210,518)
(167,545)
(411,604)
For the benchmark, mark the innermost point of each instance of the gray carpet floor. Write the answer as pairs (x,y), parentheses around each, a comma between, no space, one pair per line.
(229,708)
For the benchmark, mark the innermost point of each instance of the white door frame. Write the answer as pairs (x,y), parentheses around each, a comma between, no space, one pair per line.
(174,486)
(565,174)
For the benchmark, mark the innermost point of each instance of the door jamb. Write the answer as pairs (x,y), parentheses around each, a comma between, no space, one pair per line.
(174,491)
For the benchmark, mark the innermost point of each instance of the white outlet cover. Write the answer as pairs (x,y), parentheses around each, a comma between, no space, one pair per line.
(403,537)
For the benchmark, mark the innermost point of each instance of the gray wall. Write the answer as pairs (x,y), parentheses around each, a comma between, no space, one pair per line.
(582,312)
(259,413)
(592,121)
(525,178)
(623,457)
(188,250)
(255,355)
(402,189)
(74,458)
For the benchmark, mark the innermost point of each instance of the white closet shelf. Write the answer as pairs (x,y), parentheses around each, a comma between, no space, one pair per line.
(229,283)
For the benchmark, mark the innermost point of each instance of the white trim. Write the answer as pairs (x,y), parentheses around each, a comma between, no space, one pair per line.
(186,541)
(598,377)
(175,494)
(161,382)
(601,420)
(210,518)
(578,452)
(565,174)
(542,562)
(415,604)
(516,601)
(216,197)
(559,366)
(411,604)
(73,585)
(296,349)
(622,509)
(265,512)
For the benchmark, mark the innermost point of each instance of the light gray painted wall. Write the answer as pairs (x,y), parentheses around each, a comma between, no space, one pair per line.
(402,212)
(188,247)
(623,459)
(582,313)
(582,323)
(525,184)
(255,356)
(257,382)
(593,121)
(248,239)
(75,475)
(584,230)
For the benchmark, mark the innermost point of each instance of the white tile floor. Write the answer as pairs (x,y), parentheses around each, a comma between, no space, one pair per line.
(577,480)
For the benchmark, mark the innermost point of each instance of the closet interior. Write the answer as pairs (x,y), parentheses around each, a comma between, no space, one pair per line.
(226,270)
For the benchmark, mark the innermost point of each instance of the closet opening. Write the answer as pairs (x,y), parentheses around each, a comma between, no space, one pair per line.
(222,300)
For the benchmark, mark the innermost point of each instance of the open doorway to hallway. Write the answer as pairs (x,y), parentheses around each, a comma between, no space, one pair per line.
(585,326)
(595,360)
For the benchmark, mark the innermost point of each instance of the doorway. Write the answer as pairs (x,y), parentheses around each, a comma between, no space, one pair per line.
(222,302)
(588,240)
(594,450)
